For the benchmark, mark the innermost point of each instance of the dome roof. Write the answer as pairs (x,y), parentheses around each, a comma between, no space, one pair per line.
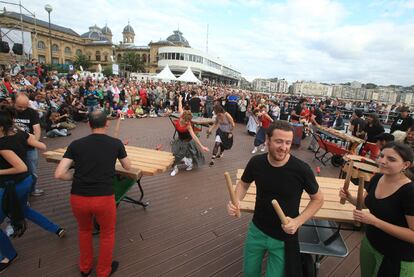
(106,30)
(128,29)
(178,39)
(95,33)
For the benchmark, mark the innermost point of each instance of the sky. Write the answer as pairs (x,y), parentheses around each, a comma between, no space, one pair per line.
(314,40)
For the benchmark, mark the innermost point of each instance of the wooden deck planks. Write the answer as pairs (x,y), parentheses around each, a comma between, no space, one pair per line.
(184,232)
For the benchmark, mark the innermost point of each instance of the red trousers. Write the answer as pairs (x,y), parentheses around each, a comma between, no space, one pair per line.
(373,150)
(84,208)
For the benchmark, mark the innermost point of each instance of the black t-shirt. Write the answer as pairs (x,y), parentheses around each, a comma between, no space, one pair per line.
(284,113)
(195,104)
(94,157)
(402,124)
(373,131)
(298,110)
(285,184)
(26,119)
(393,210)
(318,116)
(359,125)
(18,144)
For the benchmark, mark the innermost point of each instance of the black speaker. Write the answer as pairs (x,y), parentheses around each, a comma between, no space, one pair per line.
(18,48)
(4,47)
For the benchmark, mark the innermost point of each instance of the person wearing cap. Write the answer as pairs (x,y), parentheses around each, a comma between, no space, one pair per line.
(357,124)
(383,139)
(403,121)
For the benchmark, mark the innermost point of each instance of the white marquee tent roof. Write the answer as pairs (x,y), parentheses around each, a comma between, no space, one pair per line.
(166,74)
(189,77)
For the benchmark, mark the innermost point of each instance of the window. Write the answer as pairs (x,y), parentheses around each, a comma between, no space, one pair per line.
(144,58)
(98,56)
(78,52)
(41,59)
(173,56)
(182,56)
(41,45)
(55,61)
(68,51)
(68,62)
(186,57)
(106,58)
(169,56)
(119,57)
(55,48)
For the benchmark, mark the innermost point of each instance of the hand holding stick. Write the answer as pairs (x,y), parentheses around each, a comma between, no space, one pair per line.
(231,192)
(347,179)
(279,212)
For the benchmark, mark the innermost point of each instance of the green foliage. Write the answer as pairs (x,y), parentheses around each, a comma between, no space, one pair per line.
(107,71)
(81,60)
(131,62)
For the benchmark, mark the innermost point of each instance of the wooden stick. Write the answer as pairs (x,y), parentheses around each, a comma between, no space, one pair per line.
(116,131)
(360,197)
(279,212)
(347,179)
(231,192)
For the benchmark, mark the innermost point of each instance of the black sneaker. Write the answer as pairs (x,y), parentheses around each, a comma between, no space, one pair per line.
(211,163)
(114,267)
(61,232)
(4,266)
(83,274)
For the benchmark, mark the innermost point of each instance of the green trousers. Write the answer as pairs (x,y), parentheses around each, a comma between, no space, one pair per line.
(371,259)
(256,245)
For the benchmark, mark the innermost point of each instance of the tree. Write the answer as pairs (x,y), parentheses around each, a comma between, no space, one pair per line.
(107,71)
(132,62)
(82,60)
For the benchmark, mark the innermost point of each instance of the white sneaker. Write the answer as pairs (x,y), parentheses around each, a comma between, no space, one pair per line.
(254,150)
(189,164)
(263,148)
(175,171)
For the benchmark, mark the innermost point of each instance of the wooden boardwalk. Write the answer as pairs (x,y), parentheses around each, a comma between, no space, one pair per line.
(184,232)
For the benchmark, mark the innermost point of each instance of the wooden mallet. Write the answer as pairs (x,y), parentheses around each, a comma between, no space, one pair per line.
(347,179)
(231,192)
(279,212)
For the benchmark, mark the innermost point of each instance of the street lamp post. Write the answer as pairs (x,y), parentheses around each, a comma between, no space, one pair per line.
(49,9)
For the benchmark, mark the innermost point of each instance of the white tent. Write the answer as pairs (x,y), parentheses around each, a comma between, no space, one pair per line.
(189,77)
(166,74)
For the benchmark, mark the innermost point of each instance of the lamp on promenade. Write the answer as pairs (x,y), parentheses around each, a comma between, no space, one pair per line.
(49,9)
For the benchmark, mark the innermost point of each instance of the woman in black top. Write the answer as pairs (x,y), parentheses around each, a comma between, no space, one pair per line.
(15,185)
(388,247)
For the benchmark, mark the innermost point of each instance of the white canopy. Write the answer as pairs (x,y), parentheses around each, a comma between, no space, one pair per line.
(189,77)
(166,74)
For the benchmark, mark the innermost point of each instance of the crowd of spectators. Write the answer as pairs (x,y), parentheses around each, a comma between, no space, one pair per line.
(62,100)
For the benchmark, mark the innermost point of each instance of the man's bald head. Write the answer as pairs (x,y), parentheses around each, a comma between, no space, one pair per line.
(97,119)
(22,102)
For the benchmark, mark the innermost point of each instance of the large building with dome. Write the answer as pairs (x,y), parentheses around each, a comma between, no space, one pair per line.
(97,44)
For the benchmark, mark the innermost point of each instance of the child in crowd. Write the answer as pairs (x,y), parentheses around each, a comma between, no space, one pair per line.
(130,112)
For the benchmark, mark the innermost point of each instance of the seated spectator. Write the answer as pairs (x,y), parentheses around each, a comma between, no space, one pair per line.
(54,127)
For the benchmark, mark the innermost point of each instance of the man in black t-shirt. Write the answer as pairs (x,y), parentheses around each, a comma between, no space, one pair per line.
(27,120)
(357,124)
(316,119)
(285,111)
(92,193)
(295,114)
(402,122)
(194,103)
(281,176)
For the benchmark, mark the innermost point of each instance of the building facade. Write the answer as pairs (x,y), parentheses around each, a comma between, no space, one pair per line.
(273,86)
(98,47)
